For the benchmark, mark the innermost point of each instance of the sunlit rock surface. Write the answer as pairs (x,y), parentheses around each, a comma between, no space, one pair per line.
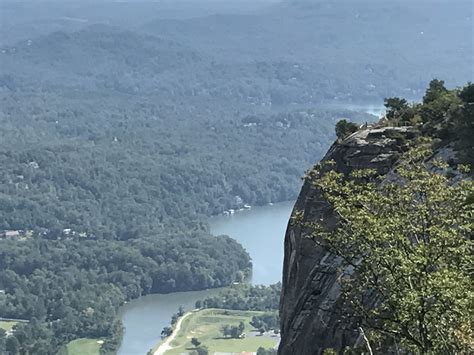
(310,292)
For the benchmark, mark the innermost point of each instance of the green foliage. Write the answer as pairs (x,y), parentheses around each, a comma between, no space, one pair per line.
(246,297)
(437,109)
(134,178)
(268,321)
(195,342)
(398,109)
(12,345)
(445,114)
(3,339)
(345,128)
(407,250)
(132,140)
(464,124)
(93,278)
(218,55)
(395,106)
(435,91)
(233,331)
(202,350)
(263,351)
(139,166)
(209,323)
(33,337)
(166,332)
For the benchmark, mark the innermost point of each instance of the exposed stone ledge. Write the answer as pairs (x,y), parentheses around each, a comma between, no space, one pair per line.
(310,290)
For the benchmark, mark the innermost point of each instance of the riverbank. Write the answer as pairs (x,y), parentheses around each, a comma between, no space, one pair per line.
(261,232)
(145,318)
(166,345)
(206,326)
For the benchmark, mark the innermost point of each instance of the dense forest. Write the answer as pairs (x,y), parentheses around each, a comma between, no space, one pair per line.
(138,167)
(123,128)
(110,193)
(245,297)
(73,288)
(293,51)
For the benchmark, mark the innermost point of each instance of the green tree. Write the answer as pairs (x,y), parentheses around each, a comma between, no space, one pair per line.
(12,345)
(236,331)
(195,342)
(225,330)
(399,109)
(241,327)
(232,330)
(435,90)
(202,350)
(406,250)
(395,106)
(438,106)
(3,337)
(166,332)
(345,128)
(464,124)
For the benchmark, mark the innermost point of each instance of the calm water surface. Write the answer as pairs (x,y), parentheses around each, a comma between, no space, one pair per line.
(260,230)
(145,317)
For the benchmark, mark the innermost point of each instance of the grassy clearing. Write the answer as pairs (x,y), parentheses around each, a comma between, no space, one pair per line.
(84,347)
(7,325)
(206,326)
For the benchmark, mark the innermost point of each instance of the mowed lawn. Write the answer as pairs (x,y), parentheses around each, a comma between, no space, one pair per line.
(7,325)
(84,347)
(206,326)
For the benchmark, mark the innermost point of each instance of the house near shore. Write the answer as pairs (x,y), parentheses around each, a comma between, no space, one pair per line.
(16,234)
(9,234)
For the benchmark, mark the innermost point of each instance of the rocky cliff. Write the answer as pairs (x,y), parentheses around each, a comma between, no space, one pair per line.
(310,294)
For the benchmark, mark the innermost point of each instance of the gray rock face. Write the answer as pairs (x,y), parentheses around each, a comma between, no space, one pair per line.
(310,292)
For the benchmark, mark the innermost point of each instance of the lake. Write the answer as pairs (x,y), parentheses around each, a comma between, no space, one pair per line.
(260,230)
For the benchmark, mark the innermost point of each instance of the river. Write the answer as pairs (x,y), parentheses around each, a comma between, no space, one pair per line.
(260,230)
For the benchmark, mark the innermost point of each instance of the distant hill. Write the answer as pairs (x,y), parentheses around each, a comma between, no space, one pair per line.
(98,55)
(286,53)
(363,41)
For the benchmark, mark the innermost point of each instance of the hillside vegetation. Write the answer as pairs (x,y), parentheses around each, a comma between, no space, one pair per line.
(388,258)
(124,126)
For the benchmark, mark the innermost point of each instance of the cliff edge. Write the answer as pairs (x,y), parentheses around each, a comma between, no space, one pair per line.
(310,291)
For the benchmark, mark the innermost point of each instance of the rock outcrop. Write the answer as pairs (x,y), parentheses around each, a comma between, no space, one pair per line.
(310,293)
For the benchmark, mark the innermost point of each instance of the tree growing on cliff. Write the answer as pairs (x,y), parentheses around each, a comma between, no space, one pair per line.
(464,124)
(406,249)
(395,106)
(345,128)
(398,109)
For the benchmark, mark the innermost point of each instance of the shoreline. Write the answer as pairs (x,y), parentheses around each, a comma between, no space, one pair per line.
(165,345)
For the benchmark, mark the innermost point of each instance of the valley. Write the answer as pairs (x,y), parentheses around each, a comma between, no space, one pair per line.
(128,129)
